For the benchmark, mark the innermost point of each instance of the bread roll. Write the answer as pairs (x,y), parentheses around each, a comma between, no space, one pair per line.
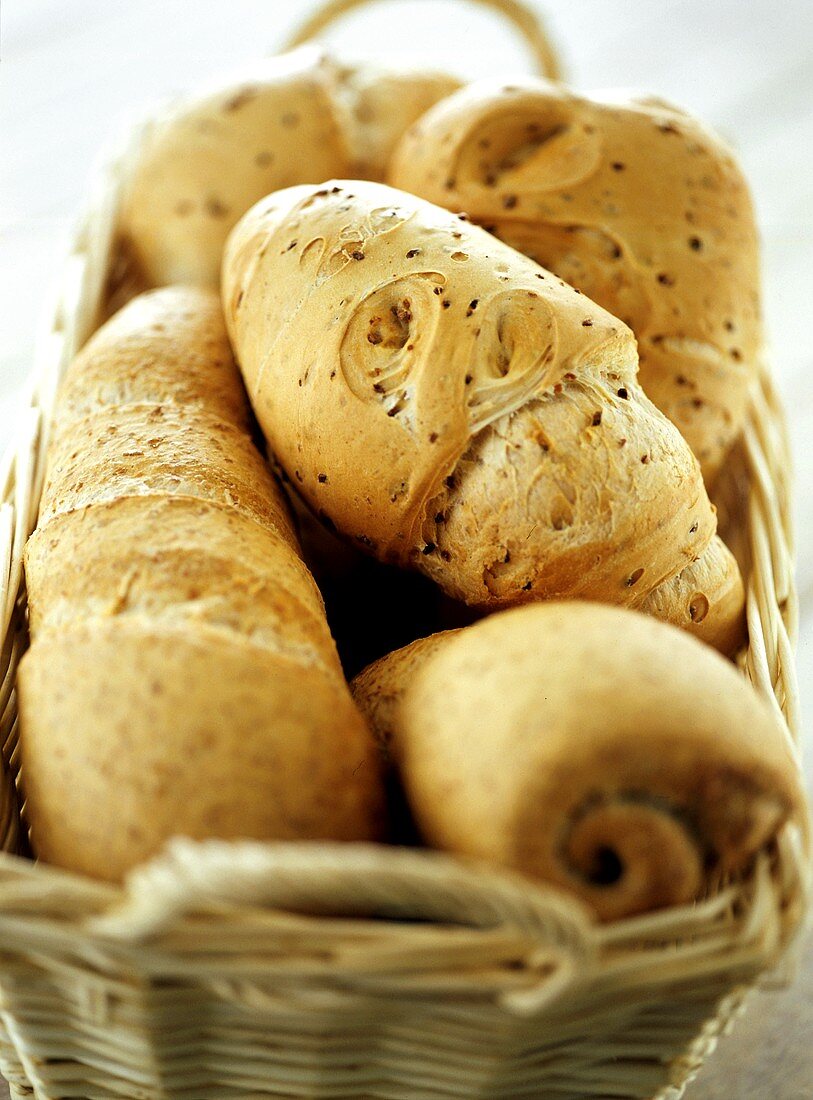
(634,202)
(296,118)
(212,156)
(450,406)
(381,104)
(587,746)
(707,598)
(182,678)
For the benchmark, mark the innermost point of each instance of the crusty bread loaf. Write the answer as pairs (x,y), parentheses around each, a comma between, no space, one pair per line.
(450,406)
(632,201)
(182,678)
(296,118)
(588,746)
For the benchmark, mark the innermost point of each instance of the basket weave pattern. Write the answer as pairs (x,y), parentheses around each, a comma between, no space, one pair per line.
(318,970)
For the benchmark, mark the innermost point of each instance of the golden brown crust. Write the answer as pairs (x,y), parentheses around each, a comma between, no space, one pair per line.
(296,118)
(381,105)
(158,450)
(449,405)
(548,503)
(135,733)
(707,598)
(208,160)
(379,688)
(588,746)
(182,678)
(184,364)
(201,564)
(634,202)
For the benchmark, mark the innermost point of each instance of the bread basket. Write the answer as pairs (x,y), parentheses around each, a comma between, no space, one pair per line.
(247,969)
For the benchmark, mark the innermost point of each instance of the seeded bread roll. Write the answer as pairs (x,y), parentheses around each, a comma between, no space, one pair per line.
(634,202)
(588,746)
(182,678)
(296,118)
(448,405)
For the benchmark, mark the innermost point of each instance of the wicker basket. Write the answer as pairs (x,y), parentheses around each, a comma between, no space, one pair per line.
(249,970)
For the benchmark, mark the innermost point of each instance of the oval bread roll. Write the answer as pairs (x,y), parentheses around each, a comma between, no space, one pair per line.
(587,746)
(634,202)
(450,406)
(182,678)
(296,118)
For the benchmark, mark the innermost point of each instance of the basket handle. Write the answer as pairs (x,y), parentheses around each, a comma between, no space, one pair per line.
(524,19)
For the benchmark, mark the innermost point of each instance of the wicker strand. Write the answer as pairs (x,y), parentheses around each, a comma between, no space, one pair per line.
(523,18)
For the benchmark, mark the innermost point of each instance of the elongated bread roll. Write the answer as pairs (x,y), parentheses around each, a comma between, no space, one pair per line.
(182,678)
(449,405)
(634,202)
(588,746)
(296,118)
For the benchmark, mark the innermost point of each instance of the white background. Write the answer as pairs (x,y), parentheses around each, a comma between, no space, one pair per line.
(74,72)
